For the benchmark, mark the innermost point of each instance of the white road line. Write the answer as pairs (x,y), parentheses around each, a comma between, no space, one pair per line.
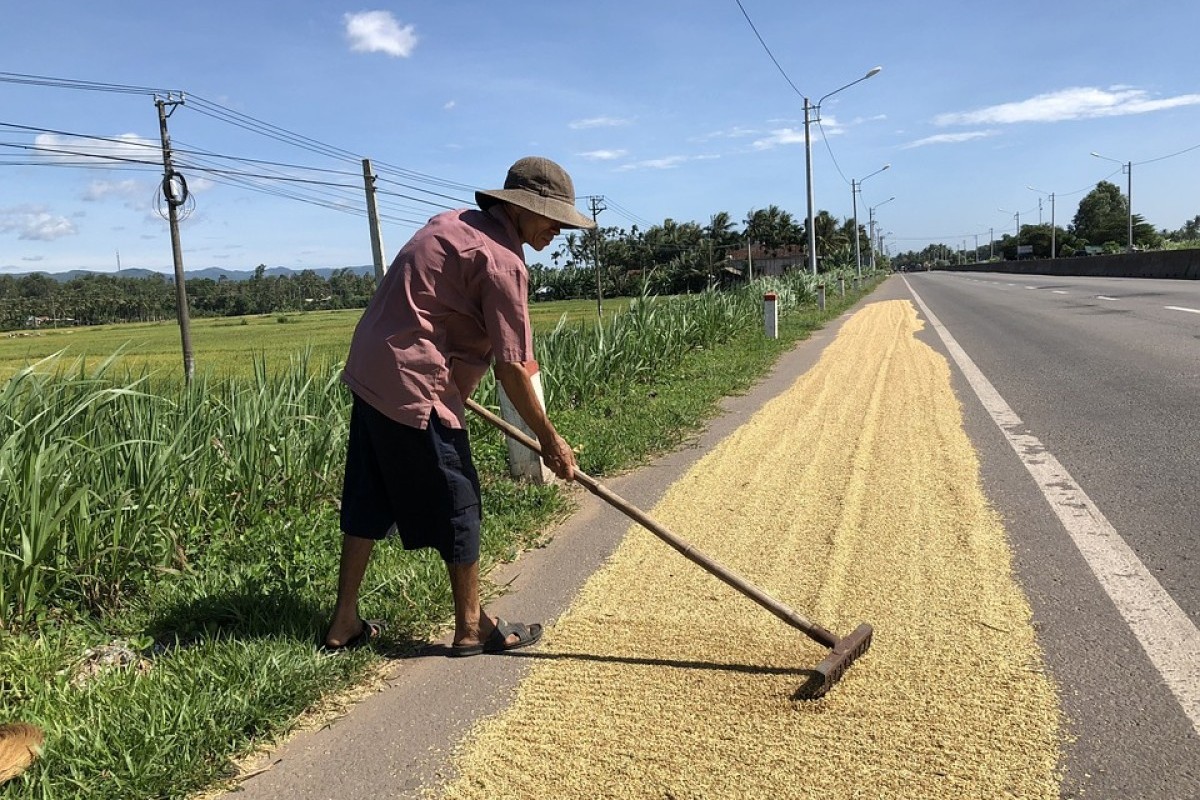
(1167,635)
(1058,291)
(1104,297)
(1183,308)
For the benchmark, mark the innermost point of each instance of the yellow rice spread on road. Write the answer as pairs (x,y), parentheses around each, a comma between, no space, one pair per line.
(854,496)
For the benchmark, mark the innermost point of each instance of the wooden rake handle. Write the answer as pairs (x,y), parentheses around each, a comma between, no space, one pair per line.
(711,565)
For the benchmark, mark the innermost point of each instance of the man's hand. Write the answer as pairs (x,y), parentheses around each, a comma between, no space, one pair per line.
(556,453)
(558,457)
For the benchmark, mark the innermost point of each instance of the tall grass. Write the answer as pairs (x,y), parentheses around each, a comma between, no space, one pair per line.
(107,479)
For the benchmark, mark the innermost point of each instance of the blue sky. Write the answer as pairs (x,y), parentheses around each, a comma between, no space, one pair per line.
(666,109)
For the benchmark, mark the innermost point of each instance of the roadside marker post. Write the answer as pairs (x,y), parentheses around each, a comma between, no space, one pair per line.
(522,462)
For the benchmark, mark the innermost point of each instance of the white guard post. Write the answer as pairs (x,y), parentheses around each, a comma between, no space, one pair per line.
(771,315)
(523,462)
(821,296)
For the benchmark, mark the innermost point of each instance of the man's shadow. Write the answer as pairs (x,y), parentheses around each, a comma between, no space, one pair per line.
(246,614)
(811,680)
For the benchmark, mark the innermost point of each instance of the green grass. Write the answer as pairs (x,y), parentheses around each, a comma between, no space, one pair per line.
(233,583)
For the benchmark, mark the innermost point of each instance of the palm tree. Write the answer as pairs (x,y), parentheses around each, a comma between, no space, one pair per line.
(720,229)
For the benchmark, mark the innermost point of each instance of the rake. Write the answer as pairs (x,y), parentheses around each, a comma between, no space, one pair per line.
(844,651)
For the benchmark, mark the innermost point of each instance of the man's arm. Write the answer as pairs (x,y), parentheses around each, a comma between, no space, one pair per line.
(555,451)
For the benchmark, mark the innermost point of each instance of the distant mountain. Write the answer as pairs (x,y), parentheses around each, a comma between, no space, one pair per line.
(212,273)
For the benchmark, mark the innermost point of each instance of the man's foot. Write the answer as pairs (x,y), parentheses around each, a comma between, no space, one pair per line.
(368,631)
(503,636)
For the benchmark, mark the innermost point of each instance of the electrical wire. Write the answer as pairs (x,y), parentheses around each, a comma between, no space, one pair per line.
(626,213)
(1163,158)
(66,83)
(832,157)
(769,53)
(237,119)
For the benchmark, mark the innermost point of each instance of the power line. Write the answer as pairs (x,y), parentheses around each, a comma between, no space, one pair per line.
(237,119)
(625,212)
(769,53)
(1163,158)
(66,83)
(828,147)
(58,151)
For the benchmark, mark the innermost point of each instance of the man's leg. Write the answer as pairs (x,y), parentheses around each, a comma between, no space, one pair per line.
(471,624)
(356,553)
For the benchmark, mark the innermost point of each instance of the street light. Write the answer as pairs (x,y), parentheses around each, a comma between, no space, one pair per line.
(855,188)
(1053,249)
(809,108)
(1127,168)
(881,236)
(871,226)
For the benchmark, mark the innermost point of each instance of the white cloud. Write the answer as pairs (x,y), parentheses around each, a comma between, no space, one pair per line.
(736,132)
(669,162)
(379,32)
(112,151)
(1066,104)
(949,138)
(102,190)
(780,136)
(828,126)
(34,223)
(449,105)
(597,122)
(603,155)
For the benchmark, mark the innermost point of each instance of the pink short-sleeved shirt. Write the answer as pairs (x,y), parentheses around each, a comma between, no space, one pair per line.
(453,301)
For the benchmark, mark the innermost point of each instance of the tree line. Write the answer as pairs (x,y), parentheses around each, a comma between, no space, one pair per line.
(96,299)
(1100,225)
(669,258)
(681,257)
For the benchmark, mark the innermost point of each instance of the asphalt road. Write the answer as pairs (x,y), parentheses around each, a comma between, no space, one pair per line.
(1105,373)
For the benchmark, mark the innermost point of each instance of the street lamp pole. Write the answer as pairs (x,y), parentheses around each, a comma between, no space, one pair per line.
(812,111)
(855,188)
(871,226)
(1127,168)
(1053,249)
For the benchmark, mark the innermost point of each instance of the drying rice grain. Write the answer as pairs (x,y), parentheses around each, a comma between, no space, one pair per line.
(854,496)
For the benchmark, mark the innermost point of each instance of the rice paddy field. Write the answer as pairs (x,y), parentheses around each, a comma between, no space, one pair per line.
(228,347)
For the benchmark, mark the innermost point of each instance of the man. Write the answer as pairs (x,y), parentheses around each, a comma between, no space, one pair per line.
(453,302)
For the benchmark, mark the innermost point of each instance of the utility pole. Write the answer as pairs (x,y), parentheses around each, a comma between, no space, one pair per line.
(373,218)
(175,192)
(597,204)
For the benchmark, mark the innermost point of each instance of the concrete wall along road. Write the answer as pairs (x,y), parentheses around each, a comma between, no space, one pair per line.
(1155,264)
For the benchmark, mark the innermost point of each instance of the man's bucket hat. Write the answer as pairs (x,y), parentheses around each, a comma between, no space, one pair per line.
(541,186)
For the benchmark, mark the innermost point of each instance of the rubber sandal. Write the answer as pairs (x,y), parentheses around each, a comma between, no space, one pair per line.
(371,628)
(497,641)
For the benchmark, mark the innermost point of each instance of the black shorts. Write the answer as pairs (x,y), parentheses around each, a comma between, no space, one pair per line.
(421,481)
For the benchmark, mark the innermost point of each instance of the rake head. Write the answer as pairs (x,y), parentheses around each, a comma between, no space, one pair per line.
(844,653)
